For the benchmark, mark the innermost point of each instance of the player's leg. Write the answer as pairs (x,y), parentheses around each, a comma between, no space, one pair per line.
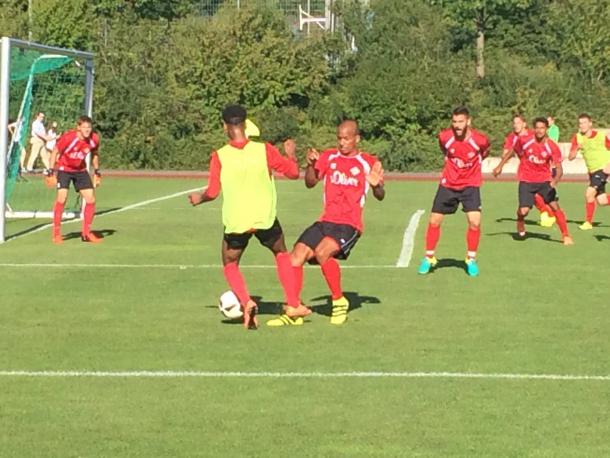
(84,185)
(37,147)
(337,243)
(63,183)
(597,185)
(445,203)
(470,198)
(233,246)
(602,198)
(527,194)
(547,217)
(273,239)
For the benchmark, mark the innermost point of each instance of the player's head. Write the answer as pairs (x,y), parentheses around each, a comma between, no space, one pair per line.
(519,123)
(40,116)
(460,120)
(84,126)
(541,125)
(234,120)
(585,123)
(348,137)
(551,120)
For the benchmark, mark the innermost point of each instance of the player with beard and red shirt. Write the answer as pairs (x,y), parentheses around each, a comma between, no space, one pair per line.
(547,218)
(464,149)
(347,174)
(68,165)
(537,155)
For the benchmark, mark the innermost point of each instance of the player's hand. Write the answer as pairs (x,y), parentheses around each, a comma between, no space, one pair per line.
(375,178)
(195,198)
(497,171)
(553,184)
(97,179)
(312,156)
(290,148)
(50,181)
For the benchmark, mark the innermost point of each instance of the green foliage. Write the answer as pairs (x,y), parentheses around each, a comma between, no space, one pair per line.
(165,70)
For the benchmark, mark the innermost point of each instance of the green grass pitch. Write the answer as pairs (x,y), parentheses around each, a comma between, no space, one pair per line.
(537,308)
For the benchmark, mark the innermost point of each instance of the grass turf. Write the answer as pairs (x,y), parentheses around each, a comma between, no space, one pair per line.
(537,308)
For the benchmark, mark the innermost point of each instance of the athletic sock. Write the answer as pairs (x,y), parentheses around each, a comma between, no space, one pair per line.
(236,282)
(561,222)
(332,275)
(285,274)
(473,236)
(58,211)
(88,214)
(589,211)
(298,280)
(433,234)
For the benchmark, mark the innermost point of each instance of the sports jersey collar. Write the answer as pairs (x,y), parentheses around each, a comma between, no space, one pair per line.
(239,144)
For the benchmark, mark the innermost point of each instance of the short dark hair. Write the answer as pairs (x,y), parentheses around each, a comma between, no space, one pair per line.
(83,119)
(234,115)
(461,110)
(541,119)
(520,116)
(584,116)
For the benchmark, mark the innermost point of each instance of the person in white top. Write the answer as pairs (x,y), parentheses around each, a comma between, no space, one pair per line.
(52,133)
(38,141)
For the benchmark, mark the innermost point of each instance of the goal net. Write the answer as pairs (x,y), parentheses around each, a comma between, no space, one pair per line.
(37,79)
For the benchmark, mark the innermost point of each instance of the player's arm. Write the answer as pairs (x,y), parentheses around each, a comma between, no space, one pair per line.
(287,166)
(311,173)
(375,179)
(558,174)
(211,191)
(506,155)
(574,149)
(95,163)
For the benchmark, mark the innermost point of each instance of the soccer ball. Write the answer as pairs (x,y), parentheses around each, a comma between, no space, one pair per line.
(229,306)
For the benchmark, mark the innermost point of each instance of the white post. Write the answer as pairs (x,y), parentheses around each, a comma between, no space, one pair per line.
(5,78)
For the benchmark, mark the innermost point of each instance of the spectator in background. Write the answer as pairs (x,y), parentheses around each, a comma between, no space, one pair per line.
(38,141)
(52,133)
(553,132)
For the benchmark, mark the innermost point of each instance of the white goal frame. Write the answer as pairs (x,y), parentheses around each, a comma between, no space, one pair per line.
(6,45)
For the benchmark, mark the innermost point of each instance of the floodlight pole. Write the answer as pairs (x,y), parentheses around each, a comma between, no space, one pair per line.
(5,76)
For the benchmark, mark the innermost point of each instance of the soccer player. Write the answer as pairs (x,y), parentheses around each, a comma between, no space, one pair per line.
(537,155)
(347,174)
(67,165)
(464,149)
(244,169)
(594,147)
(520,130)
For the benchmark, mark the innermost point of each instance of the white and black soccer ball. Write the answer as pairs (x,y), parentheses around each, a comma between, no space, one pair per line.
(229,306)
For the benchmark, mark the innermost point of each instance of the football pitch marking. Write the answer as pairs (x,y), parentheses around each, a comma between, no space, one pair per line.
(408,240)
(118,210)
(320,375)
(171,266)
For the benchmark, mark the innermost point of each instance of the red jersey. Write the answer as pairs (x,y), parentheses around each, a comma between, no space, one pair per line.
(536,158)
(510,142)
(275,162)
(345,186)
(72,151)
(463,158)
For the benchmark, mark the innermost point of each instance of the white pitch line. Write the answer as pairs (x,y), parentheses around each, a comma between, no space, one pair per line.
(168,266)
(220,374)
(118,210)
(408,240)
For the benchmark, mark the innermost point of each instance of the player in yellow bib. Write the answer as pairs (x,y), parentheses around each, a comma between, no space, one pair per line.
(243,169)
(595,149)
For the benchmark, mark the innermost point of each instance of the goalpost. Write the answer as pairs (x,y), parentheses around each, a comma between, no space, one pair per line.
(36,78)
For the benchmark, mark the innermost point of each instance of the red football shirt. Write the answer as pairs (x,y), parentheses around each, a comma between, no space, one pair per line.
(345,186)
(463,158)
(72,151)
(536,159)
(511,139)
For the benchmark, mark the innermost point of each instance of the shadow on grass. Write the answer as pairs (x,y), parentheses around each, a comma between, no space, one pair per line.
(528,235)
(355,302)
(103,233)
(601,238)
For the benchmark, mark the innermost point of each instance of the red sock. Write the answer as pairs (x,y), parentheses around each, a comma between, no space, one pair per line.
(432,235)
(236,282)
(539,202)
(332,274)
(561,222)
(88,215)
(472,241)
(520,222)
(298,280)
(285,273)
(58,211)
(589,211)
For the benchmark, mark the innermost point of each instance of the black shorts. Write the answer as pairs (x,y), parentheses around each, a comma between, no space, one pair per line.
(447,200)
(527,191)
(81,180)
(267,237)
(345,235)
(598,180)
